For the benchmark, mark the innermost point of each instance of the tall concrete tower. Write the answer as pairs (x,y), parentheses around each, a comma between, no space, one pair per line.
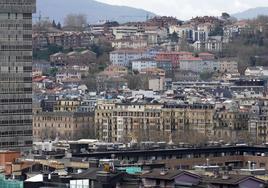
(16,74)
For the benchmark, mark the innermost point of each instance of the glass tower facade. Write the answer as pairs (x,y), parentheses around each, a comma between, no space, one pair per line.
(16,74)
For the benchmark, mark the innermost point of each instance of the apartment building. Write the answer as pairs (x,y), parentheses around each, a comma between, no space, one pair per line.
(228,66)
(67,105)
(68,76)
(258,122)
(196,64)
(174,57)
(144,63)
(124,31)
(230,124)
(121,122)
(124,57)
(118,122)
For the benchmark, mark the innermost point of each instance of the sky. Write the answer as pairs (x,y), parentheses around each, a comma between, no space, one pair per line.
(186,9)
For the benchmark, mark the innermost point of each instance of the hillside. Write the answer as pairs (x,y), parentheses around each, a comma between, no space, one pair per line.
(95,11)
(251,13)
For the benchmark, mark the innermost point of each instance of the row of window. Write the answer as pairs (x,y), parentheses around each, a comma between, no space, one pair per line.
(16,47)
(14,144)
(15,90)
(16,101)
(15,122)
(59,125)
(20,111)
(16,133)
(16,79)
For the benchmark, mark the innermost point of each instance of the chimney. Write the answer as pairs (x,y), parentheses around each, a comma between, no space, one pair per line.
(249,165)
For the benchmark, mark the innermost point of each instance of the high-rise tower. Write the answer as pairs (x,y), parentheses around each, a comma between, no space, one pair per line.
(16,74)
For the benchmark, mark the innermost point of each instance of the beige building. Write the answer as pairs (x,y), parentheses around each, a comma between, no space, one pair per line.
(157,84)
(228,66)
(231,125)
(63,125)
(121,122)
(67,105)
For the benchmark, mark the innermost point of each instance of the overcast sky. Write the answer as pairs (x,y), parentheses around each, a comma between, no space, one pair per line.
(185,9)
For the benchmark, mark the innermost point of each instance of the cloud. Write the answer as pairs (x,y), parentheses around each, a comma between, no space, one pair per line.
(185,9)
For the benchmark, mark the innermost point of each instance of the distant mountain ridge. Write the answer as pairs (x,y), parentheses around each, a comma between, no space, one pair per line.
(251,13)
(95,11)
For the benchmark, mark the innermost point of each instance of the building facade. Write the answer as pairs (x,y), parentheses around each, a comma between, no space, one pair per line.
(16,73)
(63,125)
(124,57)
(122,122)
(145,63)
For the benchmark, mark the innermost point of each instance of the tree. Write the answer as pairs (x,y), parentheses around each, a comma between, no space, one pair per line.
(225,15)
(206,76)
(42,26)
(251,43)
(53,71)
(174,37)
(101,48)
(217,31)
(44,54)
(185,46)
(54,24)
(75,21)
(59,26)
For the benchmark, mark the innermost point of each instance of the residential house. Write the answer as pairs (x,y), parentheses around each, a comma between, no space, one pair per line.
(228,66)
(58,59)
(68,76)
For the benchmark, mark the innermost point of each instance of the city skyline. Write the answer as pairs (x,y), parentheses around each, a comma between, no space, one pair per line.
(186,9)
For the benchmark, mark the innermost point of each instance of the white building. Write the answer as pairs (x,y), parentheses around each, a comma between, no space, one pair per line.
(144,63)
(210,45)
(68,76)
(124,31)
(192,32)
(257,71)
(157,84)
(196,64)
(128,43)
(124,57)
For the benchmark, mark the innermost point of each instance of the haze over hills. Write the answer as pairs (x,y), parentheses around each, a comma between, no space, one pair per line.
(96,11)
(252,13)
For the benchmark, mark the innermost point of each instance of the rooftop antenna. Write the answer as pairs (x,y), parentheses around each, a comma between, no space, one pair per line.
(40,16)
